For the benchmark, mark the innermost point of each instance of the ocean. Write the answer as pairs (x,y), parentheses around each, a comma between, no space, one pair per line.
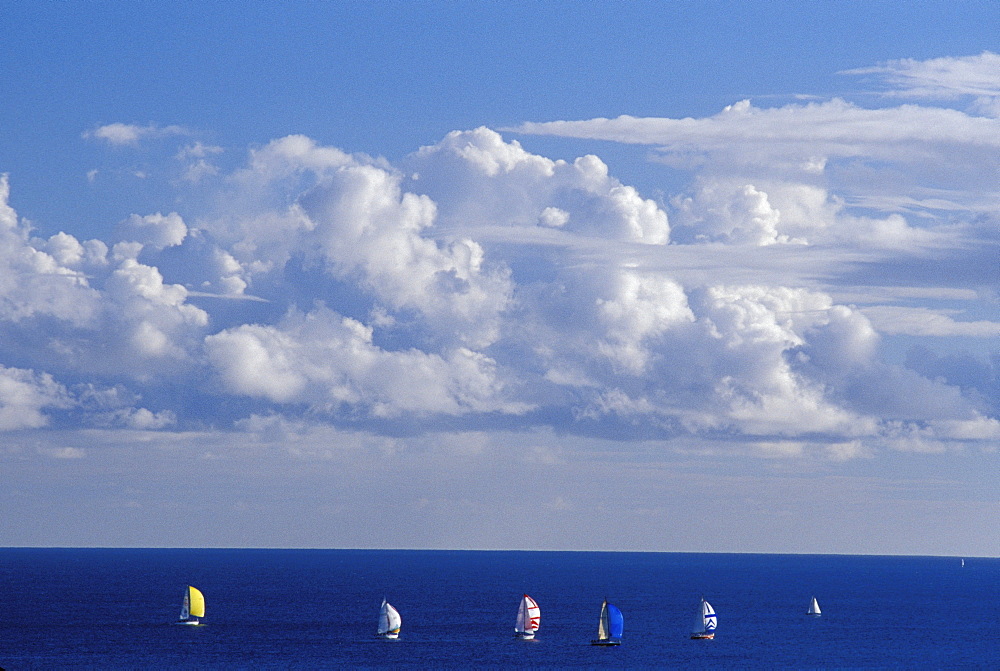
(314,609)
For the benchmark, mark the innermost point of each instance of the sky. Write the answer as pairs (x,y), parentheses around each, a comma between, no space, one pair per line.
(658,276)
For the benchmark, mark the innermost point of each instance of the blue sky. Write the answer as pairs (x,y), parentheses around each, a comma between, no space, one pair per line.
(706,276)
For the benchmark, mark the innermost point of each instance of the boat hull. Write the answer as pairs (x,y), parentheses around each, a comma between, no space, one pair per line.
(702,637)
(525,635)
(606,641)
(192,623)
(388,635)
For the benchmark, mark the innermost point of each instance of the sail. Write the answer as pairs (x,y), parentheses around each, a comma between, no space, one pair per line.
(197,602)
(710,619)
(389,620)
(704,620)
(616,623)
(814,607)
(528,616)
(185,606)
(602,625)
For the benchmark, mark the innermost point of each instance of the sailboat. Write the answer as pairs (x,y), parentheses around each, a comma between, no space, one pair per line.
(528,618)
(609,629)
(389,621)
(192,607)
(814,608)
(704,622)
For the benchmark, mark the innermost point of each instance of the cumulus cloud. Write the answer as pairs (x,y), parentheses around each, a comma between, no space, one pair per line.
(478,179)
(329,362)
(366,229)
(34,283)
(24,395)
(477,282)
(156,230)
(740,215)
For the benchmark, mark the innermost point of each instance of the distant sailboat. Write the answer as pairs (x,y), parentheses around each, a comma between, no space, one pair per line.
(610,627)
(963,562)
(528,618)
(814,608)
(192,607)
(389,621)
(704,622)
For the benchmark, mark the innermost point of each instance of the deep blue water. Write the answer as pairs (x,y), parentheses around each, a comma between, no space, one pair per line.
(105,608)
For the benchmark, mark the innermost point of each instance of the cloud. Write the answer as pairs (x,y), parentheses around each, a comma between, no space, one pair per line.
(477,178)
(476,283)
(938,78)
(802,133)
(123,134)
(740,215)
(24,395)
(329,362)
(894,160)
(34,283)
(922,321)
(155,230)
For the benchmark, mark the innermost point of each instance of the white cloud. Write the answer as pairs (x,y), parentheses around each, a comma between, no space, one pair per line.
(479,180)
(923,321)
(33,282)
(143,419)
(24,395)
(643,308)
(131,134)
(154,316)
(929,155)
(478,281)
(807,132)
(156,230)
(946,77)
(329,361)
(740,215)
(367,230)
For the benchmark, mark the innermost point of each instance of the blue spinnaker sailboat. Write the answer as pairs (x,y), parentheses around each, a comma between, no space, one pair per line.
(610,626)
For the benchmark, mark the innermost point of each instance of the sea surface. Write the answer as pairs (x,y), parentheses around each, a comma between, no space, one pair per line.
(309,609)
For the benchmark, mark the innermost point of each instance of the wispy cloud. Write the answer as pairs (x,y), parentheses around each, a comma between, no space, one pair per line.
(131,134)
(938,78)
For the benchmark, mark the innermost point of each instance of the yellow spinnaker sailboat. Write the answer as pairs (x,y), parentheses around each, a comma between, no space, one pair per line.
(193,606)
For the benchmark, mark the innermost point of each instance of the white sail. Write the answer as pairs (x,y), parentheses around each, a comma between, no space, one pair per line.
(710,619)
(185,607)
(602,625)
(814,607)
(528,617)
(389,620)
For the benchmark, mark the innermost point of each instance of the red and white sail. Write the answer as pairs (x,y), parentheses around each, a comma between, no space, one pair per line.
(528,617)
